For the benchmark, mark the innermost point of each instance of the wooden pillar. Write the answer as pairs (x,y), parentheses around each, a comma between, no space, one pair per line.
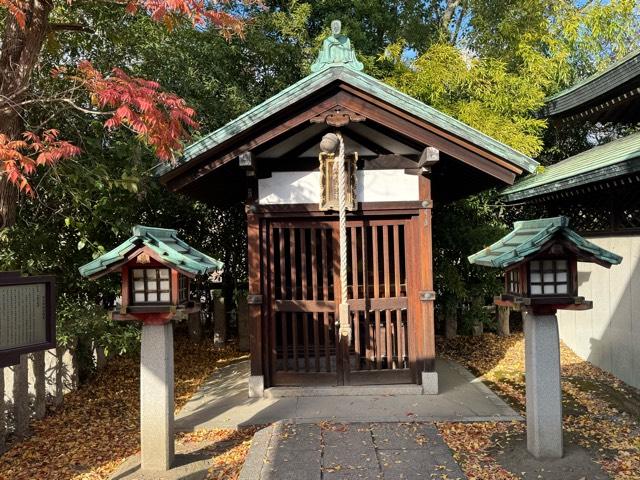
(255,301)
(3,421)
(427,296)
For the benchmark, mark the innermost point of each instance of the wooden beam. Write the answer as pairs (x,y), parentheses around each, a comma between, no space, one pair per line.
(283,128)
(429,127)
(501,170)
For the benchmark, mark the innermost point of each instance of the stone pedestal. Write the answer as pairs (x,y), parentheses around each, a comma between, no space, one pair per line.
(503,321)
(544,394)
(256,386)
(429,383)
(156,397)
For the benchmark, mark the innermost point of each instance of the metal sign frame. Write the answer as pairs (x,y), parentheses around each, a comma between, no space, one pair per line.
(11,356)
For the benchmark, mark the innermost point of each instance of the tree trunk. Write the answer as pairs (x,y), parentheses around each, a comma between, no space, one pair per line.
(18,57)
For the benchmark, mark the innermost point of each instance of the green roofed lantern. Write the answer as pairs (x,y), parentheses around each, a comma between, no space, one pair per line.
(540,258)
(156,268)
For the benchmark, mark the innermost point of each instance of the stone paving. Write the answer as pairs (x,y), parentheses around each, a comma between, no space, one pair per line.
(345,451)
(222,402)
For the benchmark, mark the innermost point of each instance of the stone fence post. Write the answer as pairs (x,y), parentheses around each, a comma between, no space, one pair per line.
(219,322)
(21,409)
(503,321)
(39,384)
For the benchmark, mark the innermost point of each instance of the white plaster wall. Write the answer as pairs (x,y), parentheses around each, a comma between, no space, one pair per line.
(609,335)
(304,187)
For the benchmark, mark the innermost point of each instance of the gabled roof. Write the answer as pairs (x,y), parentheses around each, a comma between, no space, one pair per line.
(339,73)
(531,236)
(600,92)
(613,159)
(162,241)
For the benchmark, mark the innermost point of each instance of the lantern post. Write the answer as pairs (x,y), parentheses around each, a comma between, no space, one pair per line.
(540,259)
(156,268)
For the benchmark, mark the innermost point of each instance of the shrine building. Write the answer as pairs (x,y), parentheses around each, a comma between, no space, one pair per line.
(404,159)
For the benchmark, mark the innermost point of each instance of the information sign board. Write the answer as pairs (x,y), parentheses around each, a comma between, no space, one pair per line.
(27,315)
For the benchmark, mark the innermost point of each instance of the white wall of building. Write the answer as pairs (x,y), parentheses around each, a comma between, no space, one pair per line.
(609,335)
(304,187)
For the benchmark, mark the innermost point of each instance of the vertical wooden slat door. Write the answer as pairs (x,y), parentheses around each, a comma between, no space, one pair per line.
(302,304)
(378,302)
(303,264)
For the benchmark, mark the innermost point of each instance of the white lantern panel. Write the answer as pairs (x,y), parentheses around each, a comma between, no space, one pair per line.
(138,273)
(152,297)
(561,288)
(164,285)
(138,285)
(548,277)
(535,277)
(164,273)
(139,297)
(549,289)
(164,297)
(536,290)
(561,264)
(561,276)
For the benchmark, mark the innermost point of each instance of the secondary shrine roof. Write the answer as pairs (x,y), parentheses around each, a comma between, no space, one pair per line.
(608,161)
(530,237)
(610,95)
(165,243)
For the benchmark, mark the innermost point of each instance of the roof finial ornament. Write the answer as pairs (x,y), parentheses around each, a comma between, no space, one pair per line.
(336,51)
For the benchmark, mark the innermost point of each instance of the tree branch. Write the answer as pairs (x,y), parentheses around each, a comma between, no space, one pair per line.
(70,27)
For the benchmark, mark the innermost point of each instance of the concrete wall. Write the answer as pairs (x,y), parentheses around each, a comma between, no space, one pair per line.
(609,335)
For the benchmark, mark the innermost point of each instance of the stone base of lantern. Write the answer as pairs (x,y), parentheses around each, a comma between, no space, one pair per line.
(156,397)
(256,386)
(544,394)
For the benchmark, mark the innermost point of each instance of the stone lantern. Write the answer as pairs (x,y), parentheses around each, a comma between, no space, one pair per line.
(156,268)
(540,259)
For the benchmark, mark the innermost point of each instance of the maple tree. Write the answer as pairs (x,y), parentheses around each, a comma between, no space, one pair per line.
(158,118)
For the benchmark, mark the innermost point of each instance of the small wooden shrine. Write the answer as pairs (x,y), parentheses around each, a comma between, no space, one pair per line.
(402,158)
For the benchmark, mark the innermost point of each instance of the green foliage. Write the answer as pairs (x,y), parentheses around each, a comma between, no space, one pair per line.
(490,65)
(459,230)
(480,92)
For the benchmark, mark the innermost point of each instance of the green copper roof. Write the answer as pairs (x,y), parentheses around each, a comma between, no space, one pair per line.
(619,157)
(598,85)
(530,236)
(346,71)
(164,242)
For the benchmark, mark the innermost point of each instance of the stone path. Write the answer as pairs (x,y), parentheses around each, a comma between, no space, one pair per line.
(345,451)
(222,402)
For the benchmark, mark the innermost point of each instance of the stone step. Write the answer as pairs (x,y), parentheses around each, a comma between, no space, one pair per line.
(360,390)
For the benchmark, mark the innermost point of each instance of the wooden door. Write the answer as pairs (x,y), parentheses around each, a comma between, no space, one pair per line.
(378,285)
(303,288)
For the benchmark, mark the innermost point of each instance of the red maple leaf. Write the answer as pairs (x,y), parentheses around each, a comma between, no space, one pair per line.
(20,158)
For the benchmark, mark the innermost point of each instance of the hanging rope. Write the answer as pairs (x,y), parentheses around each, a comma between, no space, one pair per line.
(343,311)
(342,203)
